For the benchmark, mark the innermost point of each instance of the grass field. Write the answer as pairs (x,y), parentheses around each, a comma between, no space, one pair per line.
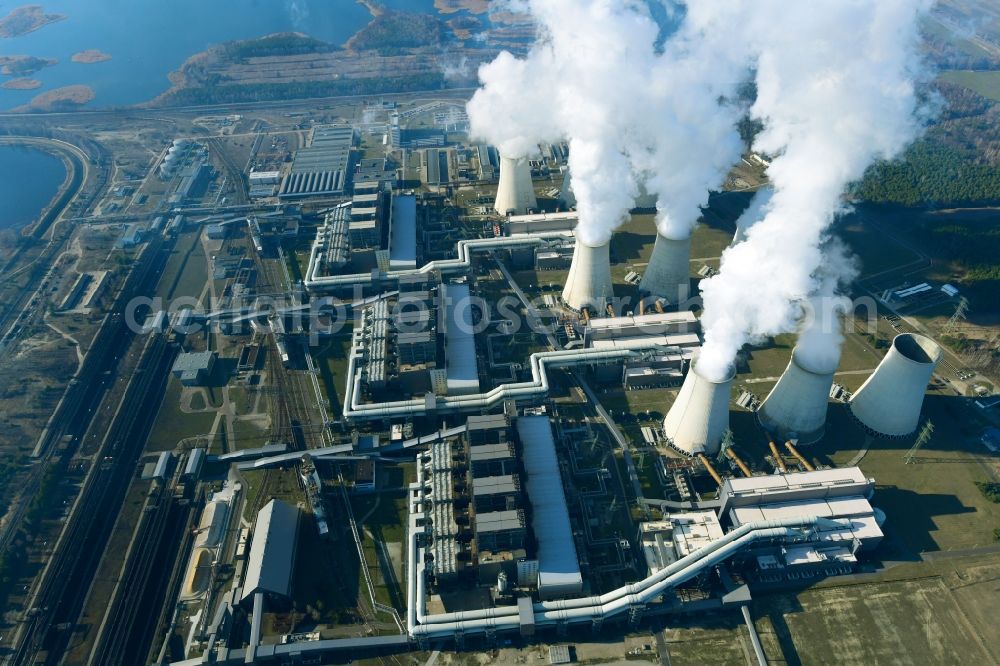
(173,425)
(902,622)
(185,273)
(711,641)
(331,361)
(986,84)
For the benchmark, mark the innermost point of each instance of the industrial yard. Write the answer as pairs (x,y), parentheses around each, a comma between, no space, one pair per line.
(340,382)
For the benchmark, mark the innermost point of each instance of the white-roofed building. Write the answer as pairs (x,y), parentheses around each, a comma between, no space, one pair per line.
(676,536)
(558,563)
(403,233)
(460,342)
(798,486)
(657,323)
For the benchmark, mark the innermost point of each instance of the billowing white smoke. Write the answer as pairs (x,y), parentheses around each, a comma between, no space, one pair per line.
(755,212)
(821,329)
(584,80)
(690,123)
(511,109)
(835,91)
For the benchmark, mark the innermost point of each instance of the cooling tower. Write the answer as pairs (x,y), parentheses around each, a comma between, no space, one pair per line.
(889,402)
(515,193)
(589,281)
(566,193)
(739,236)
(796,406)
(698,419)
(668,274)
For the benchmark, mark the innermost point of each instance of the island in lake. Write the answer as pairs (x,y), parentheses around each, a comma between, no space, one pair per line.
(25,19)
(21,84)
(58,99)
(22,65)
(471,6)
(90,56)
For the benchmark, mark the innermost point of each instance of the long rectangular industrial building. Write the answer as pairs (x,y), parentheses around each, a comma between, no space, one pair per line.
(323,167)
(460,343)
(403,233)
(558,564)
(272,552)
(798,486)
(657,323)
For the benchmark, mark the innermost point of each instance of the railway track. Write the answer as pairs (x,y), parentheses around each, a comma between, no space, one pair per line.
(65,582)
(76,411)
(125,634)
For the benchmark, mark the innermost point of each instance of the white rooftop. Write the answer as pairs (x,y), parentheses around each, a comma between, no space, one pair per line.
(558,564)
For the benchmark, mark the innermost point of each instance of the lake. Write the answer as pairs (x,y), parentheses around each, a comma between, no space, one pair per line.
(37,180)
(148,39)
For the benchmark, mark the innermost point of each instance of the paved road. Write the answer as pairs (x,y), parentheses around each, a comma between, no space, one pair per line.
(662,649)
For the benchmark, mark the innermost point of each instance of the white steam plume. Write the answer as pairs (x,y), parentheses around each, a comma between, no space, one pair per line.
(760,204)
(835,91)
(584,81)
(821,330)
(690,122)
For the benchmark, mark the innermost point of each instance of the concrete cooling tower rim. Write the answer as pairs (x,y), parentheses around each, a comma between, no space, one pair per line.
(917,348)
(806,367)
(730,375)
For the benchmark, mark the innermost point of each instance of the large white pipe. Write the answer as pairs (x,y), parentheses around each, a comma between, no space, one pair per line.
(589,284)
(515,191)
(796,406)
(596,607)
(889,402)
(461,263)
(668,274)
(699,417)
(538,386)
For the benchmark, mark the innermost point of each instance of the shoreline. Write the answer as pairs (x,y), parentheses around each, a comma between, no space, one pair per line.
(52,208)
(33,13)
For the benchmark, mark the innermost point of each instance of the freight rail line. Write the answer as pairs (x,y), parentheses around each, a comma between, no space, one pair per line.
(123,611)
(65,582)
(75,412)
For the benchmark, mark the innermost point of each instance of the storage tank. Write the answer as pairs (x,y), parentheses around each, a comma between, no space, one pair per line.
(889,402)
(515,192)
(589,284)
(668,274)
(700,416)
(796,406)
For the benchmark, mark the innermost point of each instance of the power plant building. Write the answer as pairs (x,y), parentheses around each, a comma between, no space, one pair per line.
(272,552)
(541,222)
(558,563)
(839,497)
(460,342)
(403,233)
(323,168)
(194,368)
(665,323)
